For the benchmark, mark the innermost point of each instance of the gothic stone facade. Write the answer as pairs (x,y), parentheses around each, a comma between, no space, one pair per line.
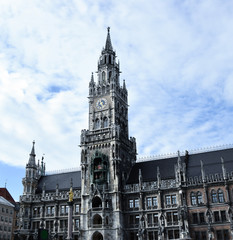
(188,196)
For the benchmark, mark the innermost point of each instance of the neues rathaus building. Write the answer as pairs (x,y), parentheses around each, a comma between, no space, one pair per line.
(182,196)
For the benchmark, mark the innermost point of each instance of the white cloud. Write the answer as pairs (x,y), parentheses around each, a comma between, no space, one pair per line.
(176,58)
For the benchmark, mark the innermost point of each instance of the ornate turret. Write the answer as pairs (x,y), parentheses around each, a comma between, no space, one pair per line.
(31,177)
(33,172)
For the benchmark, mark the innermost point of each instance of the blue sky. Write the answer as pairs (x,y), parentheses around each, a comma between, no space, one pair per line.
(176,58)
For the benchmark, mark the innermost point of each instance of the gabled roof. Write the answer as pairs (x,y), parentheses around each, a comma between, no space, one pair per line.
(211,161)
(62,179)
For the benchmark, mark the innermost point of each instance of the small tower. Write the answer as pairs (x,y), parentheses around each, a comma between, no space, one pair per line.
(31,178)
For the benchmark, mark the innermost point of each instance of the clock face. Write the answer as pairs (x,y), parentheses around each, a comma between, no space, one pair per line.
(101,103)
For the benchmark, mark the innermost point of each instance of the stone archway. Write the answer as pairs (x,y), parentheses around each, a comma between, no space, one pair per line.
(97,236)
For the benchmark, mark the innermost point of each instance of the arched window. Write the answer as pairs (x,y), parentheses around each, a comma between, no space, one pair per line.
(96,202)
(109,59)
(220,196)
(199,198)
(97,236)
(193,198)
(97,123)
(103,76)
(214,196)
(105,122)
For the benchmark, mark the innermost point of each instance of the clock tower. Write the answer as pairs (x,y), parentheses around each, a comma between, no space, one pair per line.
(107,152)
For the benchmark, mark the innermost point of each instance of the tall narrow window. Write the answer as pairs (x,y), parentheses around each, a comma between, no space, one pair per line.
(220,196)
(193,198)
(105,122)
(76,223)
(109,75)
(168,199)
(149,220)
(136,203)
(103,76)
(199,198)
(173,199)
(216,216)
(97,123)
(149,202)
(156,219)
(155,201)
(214,196)
(131,203)
(77,208)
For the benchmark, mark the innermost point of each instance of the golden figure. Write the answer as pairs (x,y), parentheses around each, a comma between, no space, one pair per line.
(71,195)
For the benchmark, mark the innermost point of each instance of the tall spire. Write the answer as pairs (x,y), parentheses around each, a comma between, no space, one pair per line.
(32,158)
(108,45)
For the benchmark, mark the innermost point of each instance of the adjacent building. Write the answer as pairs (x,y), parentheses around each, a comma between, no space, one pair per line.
(6,219)
(186,196)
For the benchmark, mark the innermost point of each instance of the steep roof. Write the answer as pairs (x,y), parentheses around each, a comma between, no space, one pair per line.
(108,44)
(4,193)
(149,170)
(211,161)
(62,179)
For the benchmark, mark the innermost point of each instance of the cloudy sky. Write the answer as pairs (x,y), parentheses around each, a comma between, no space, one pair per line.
(176,57)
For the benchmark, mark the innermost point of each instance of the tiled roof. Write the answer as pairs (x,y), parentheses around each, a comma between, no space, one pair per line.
(4,193)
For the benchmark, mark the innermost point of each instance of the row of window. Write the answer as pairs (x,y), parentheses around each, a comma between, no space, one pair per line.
(50,210)
(5,237)
(6,210)
(154,235)
(5,228)
(220,235)
(63,224)
(171,200)
(218,216)
(216,197)
(98,123)
(174,234)
(152,202)
(153,219)
(6,219)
